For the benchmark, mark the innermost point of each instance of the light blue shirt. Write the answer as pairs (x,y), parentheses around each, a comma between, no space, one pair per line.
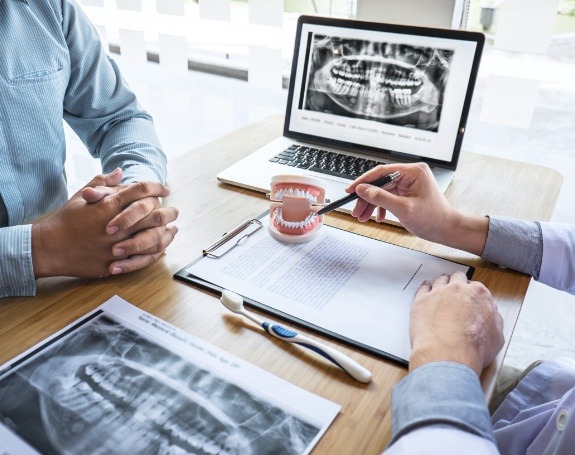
(53,67)
(439,408)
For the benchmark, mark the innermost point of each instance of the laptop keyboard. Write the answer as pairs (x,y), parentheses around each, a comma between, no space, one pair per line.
(325,162)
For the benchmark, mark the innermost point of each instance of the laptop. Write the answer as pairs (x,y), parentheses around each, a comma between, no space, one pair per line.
(363,94)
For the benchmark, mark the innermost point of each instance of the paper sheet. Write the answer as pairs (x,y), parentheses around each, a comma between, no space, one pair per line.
(354,286)
(123,381)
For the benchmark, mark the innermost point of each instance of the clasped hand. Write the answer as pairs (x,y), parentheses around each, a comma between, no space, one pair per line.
(105,228)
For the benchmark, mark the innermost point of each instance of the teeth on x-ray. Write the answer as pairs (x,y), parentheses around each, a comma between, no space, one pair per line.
(109,395)
(106,389)
(393,83)
(376,86)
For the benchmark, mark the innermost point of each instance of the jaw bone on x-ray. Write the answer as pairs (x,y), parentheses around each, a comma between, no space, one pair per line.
(391,83)
(108,390)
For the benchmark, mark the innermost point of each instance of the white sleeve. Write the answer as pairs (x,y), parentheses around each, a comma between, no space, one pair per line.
(558,262)
(441,441)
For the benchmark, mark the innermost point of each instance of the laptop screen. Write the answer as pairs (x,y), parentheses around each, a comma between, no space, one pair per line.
(397,91)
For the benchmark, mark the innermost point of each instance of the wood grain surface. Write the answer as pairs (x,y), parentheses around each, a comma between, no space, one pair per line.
(208,209)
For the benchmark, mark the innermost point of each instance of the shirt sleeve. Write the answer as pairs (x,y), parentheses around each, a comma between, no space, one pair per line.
(16,270)
(441,441)
(558,262)
(439,396)
(534,247)
(102,110)
(515,244)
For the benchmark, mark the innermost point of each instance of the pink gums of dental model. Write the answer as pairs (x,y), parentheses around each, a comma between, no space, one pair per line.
(293,210)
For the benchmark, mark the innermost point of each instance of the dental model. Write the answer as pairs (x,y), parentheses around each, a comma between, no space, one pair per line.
(295,200)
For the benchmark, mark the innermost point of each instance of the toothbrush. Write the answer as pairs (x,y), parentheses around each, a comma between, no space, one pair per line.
(235,303)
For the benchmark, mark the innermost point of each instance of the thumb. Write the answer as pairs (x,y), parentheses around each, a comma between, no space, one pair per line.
(378,196)
(96,189)
(113,178)
(96,194)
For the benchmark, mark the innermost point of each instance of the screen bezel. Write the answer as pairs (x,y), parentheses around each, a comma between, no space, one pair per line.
(476,37)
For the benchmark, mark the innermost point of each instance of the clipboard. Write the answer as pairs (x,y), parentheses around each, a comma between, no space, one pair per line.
(241,236)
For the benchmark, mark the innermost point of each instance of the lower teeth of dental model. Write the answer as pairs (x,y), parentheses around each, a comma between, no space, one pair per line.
(295,224)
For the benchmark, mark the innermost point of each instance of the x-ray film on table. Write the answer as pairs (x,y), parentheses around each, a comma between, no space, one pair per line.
(122,381)
(346,285)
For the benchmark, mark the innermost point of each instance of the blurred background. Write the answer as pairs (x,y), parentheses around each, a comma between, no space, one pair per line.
(205,68)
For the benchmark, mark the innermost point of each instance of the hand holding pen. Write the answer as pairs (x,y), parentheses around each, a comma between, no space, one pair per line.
(353,196)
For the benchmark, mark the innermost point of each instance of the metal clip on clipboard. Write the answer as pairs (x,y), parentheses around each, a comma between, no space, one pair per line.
(232,239)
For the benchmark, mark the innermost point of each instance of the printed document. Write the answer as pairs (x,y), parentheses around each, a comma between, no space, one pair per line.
(356,287)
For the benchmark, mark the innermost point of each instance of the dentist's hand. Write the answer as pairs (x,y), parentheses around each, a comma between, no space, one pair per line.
(420,206)
(455,320)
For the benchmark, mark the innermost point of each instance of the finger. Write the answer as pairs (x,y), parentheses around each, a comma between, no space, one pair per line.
(424,288)
(458,277)
(134,213)
(133,263)
(139,190)
(359,208)
(114,178)
(158,217)
(96,194)
(363,210)
(366,215)
(442,279)
(381,212)
(378,196)
(148,241)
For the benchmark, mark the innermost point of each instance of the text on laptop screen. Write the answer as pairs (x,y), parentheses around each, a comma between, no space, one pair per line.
(398,92)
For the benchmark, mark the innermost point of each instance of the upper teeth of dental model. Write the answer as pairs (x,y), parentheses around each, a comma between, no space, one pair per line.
(295,192)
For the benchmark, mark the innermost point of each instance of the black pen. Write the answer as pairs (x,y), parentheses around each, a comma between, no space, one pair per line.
(353,196)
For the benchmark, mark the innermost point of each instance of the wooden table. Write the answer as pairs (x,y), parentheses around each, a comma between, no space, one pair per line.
(482,185)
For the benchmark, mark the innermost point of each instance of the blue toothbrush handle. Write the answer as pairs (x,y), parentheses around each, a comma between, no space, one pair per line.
(354,369)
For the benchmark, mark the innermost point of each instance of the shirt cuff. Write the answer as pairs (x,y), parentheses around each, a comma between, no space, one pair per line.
(558,262)
(443,394)
(515,244)
(17,270)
